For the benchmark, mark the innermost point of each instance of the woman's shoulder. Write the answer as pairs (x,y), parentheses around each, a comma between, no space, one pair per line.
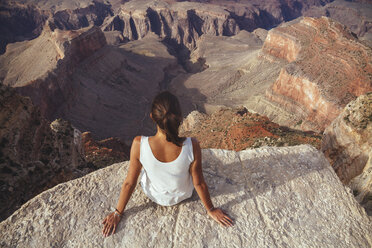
(195,143)
(137,141)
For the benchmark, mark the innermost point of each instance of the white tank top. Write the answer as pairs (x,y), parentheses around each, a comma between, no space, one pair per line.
(166,183)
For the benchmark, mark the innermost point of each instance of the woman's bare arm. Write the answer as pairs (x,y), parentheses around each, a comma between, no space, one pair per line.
(202,188)
(134,171)
(129,184)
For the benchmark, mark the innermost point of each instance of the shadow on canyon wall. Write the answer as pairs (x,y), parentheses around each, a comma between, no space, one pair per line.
(110,92)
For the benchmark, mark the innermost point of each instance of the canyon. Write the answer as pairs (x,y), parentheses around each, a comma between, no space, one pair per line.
(209,55)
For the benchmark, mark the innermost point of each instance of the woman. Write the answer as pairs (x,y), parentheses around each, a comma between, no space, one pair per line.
(169,166)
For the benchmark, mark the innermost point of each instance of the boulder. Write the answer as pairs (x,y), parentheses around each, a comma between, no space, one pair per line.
(279,197)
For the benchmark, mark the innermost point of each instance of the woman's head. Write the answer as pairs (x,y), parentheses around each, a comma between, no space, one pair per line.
(166,112)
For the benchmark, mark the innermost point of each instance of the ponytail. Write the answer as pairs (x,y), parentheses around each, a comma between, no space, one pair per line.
(166,112)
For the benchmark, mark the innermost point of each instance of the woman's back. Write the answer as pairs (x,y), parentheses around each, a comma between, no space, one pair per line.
(163,150)
(166,183)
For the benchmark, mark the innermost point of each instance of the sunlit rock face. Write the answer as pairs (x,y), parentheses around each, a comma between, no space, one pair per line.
(347,143)
(283,197)
(328,67)
(302,75)
(238,129)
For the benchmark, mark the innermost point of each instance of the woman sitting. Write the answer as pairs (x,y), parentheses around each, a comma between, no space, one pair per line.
(169,166)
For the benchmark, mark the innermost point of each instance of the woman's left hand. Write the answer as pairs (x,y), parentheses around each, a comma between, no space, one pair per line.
(110,223)
(218,215)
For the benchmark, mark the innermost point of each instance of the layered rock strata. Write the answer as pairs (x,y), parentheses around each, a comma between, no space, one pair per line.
(328,67)
(279,197)
(347,143)
(34,154)
(178,21)
(306,72)
(184,22)
(238,129)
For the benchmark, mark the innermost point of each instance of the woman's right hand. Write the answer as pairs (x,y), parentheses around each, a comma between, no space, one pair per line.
(110,223)
(218,215)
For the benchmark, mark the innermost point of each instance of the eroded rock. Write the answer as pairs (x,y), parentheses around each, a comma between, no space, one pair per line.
(279,197)
(347,143)
(238,129)
(104,152)
(306,72)
(34,156)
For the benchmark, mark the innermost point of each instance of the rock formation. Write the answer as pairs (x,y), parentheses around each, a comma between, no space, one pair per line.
(347,143)
(104,152)
(306,72)
(238,129)
(42,68)
(356,15)
(74,74)
(183,22)
(83,80)
(19,22)
(279,197)
(313,46)
(34,155)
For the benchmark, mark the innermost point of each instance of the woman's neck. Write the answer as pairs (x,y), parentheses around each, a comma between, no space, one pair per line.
(160,134)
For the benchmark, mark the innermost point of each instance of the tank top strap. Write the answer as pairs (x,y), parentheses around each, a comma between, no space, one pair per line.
(143,148)
(189,149)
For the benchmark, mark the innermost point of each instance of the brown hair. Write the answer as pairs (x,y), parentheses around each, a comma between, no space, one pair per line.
(166,112)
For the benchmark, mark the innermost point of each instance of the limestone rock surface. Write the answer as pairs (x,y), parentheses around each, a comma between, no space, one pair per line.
(279,197)
(347,143)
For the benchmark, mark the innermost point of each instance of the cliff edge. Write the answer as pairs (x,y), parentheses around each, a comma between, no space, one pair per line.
(279,197)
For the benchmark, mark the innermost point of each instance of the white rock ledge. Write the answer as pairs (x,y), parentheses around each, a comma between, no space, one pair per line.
(279,197)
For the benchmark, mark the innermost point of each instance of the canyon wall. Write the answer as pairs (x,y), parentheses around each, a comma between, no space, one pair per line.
(178,22)
(42,68)
(302,76)
(328,67)
(356,15)
(278,197)
(347,143)
(78,77)
(34,154)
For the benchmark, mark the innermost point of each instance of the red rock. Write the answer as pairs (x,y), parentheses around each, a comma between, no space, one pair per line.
(238,129)
(328,68)
(104,152)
